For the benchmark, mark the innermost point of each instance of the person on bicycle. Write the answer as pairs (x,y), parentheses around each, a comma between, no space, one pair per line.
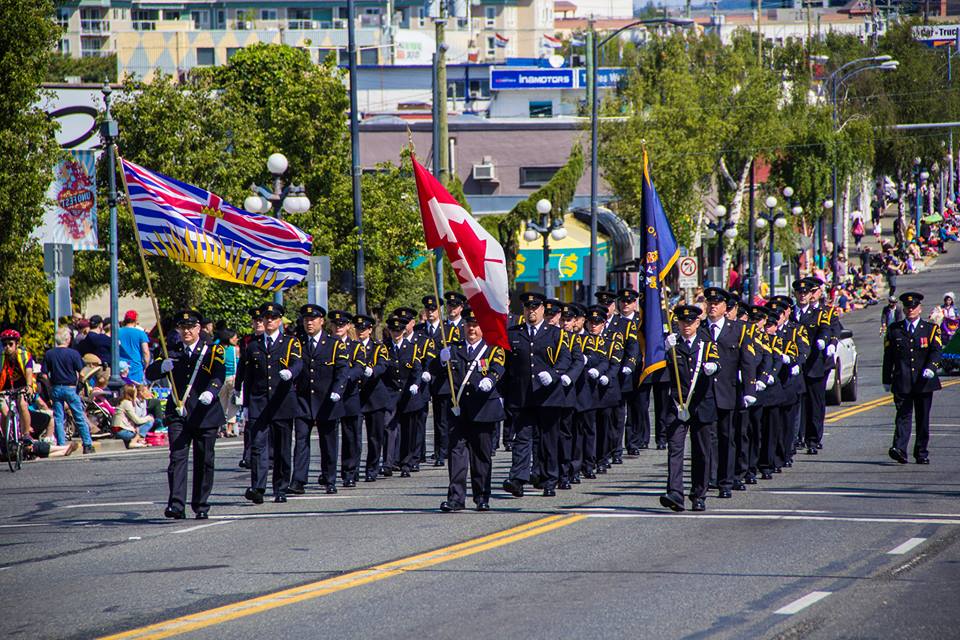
(16,372)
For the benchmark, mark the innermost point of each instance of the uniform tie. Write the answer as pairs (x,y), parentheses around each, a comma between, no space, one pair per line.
(715,330)
(269,342)
(910,328)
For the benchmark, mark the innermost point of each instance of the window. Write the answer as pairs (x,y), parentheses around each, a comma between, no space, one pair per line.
(63,17)
(232,51)
(490,16)
(491,46)
(343,57)
(541,108)
(93,22)
(535,177)
(221,19)
(323,54)
(206,57)
(268,14)
(479,88)
(298,18)
(420,16)
(144,19)
(92,47)
(64,46)
(368,56)
(201,19)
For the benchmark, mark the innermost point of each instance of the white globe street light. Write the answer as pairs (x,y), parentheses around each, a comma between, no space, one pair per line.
(730,233)
(828,204)
(788,192)
(544,206)
(780,222)
(277,164)
(558,233)
(720,211)
(761,223)
(771,202)
(530,235)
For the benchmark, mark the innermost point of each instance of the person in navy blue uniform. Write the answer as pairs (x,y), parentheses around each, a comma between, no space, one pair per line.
(402,378)
(597,347)
(692,409)
(818,321)
(321,388)
(637,426)
(477,368)
(773,397)
(351,429)
(538,357)
(433,378)
(415,447)
(256,326)
(580,397)
(375,400)
(912,349)
(794,335)
(268,372)
(198,373)
(607,388)
(733,384)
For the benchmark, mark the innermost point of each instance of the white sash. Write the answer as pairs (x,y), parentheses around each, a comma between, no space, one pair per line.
(182,409)
(466,378)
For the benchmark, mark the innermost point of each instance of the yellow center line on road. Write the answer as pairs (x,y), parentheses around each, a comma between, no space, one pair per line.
(872,404)
(243,608)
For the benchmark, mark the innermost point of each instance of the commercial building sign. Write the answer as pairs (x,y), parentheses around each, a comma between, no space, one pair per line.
(507,79)
(937,35)
(607,77)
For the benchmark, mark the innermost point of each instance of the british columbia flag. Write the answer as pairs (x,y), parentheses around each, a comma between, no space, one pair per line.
(198,228)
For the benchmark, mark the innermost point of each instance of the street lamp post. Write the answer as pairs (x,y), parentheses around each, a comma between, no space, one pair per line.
(280,197)
(109,131)
(776,220)
(795,209)
(546,228)
(827,206)
(360,277)
(719,229)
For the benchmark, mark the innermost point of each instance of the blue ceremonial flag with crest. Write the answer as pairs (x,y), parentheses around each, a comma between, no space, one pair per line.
(660,254)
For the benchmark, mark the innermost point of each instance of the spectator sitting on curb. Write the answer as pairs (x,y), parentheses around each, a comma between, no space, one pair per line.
(129,424)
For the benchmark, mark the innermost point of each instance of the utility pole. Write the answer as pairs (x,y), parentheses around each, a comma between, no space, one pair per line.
(360,277)
(592,101)
(759,33)
(440,25)
(751,289)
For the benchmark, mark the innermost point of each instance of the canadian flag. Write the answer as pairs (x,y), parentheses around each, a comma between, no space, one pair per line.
(477,258)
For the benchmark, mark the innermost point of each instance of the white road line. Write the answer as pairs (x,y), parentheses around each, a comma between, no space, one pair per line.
(845,494)
(21,526)
(802,603)
(201,526)
(318,514)
(134,538)
(330,497)
(761,516)
(912,543)
(105,504)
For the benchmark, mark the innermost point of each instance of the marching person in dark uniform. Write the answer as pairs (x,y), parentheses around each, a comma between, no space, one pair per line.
(597,371)
(420,405)
(321,387)
(607,387)
(794,334)
(911,356)
(267,371)
(434,376)
(636,426)
(538,357)
(569,382)
(692,408)
(816,321)
(579,396)
(440,379)
(198,373)
(748,443)
(610,420)
(773,397)
(256,326)
(402,378)
(477,368)
(351,429)
(733,384)
(374,395)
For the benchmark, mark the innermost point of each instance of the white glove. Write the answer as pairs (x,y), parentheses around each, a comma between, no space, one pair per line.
(205,398)
(545,378)
(769,379)
(821,344)
(334,397)
(928,374)
(795,370)
(832,349)
(749,401)
(166,366)
(445,355)
(367,372)
(886,388)
(584,359)
(414,389)
(593,373)
(486,384)
(565,380)
(604,381)
(761,385)
(626,371)
(786,359)
(671,340)
(425,376)
(710,368)
(739,377)
(285,374)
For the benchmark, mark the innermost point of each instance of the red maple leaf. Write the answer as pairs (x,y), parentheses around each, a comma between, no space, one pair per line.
(474,249)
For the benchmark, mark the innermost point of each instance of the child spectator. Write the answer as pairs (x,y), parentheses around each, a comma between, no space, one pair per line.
(129,424)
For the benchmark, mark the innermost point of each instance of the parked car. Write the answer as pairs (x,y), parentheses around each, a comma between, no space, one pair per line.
(842,379)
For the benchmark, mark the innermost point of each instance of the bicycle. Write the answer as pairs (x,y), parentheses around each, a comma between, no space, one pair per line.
(13,444)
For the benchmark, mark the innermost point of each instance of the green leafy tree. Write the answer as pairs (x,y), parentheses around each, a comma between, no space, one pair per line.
(27,143)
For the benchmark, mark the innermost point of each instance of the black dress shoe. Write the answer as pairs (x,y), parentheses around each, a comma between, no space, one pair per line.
(923,460)
(447,507)
(244,464)
(739,486)
(386,473)
(438,463)
(645,445)
(415,468)
(280,497)
(633,452)
(404,474)
(661,446)
(549,493)
(788,464)
(349,483)
(713,485)
(202,515)
(564,485)
(751,480)
(777,470)
(296,488)
(253,496)
(601,469)
(618,460)
(370,479)
(514,488)
(174,514)
(812,451)
(672,503)
(576,480)
(819,445)
(590,475)
(766,475)
(322,481)
(724,494)
(483,506)
(331,488)
(897,455)
(508,447)
(698,504)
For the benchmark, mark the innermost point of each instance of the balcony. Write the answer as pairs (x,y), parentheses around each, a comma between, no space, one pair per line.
(98,27)
(300,25)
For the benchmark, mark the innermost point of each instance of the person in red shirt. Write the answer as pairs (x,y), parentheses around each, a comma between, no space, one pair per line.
(16,372)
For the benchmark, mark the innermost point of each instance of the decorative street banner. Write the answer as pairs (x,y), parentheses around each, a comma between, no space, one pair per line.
(71,216)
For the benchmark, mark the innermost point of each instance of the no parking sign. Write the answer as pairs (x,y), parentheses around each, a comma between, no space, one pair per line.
(689,272)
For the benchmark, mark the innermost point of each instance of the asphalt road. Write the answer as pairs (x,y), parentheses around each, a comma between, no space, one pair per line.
(847,544)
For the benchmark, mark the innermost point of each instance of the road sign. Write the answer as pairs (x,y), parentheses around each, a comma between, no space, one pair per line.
(318,275)
(689,272)
(57,259)
(59,298)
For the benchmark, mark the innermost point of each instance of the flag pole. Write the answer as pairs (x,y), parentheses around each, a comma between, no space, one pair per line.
(146,272)
(443,331)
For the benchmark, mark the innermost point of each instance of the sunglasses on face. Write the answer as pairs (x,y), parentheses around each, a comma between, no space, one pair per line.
(7,343)
(533,304)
